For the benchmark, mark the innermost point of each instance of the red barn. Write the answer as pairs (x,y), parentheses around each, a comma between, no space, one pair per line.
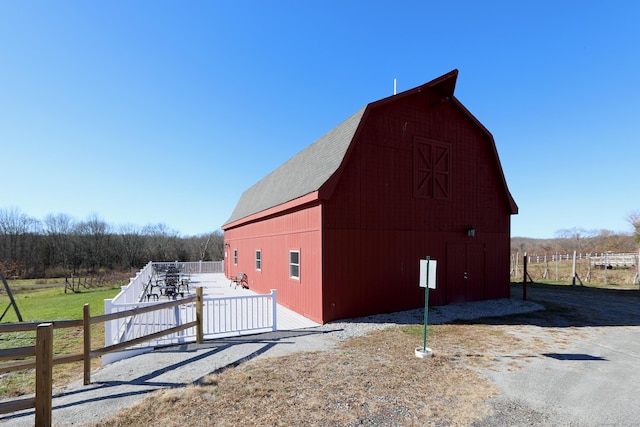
(339,229)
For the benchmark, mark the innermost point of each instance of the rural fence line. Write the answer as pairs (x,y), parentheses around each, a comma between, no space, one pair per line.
(610,259)
(210,317)
(43,364)
(45,360)
(578,266)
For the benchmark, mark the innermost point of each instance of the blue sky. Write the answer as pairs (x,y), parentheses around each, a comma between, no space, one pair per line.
(147,112)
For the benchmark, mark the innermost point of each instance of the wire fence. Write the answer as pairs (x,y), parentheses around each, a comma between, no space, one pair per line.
(606,268)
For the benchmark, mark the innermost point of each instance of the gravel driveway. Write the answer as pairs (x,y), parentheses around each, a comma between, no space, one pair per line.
(581,367)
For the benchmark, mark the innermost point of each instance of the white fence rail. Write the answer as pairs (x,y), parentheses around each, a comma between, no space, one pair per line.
(197,267)
(598,258)
(128,328)
(135,291)
(224,316)
(612,260)
(238,315)
(583,265)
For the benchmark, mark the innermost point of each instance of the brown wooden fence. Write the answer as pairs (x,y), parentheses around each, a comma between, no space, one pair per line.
(45,359)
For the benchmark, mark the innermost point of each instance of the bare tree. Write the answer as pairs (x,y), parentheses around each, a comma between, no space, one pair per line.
(132,242)
(571,239)
(211,246)
(95,237)
(17,242)
(162,242)
(59,231)
(634,220)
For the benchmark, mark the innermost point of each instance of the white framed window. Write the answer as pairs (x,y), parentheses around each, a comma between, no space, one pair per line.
(235,257)
(294,264)
(258,259)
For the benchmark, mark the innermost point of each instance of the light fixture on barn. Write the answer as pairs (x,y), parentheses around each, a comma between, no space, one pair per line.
(471,231)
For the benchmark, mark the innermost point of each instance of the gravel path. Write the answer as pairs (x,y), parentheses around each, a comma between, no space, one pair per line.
(125,382)
(581,369)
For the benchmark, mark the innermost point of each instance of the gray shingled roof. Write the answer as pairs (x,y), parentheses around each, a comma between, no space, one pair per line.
(304,173)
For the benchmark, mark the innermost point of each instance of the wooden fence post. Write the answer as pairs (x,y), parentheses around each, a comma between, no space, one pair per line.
(86,324)
(199,317)
(44,374)
(524,279)
(573,271)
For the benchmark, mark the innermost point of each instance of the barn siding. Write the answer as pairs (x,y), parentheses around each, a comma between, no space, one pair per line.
(275,237)
(376,230)
(361,244)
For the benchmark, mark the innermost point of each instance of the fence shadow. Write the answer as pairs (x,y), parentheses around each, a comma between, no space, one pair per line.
(130,380)
(546,306)
(573,306)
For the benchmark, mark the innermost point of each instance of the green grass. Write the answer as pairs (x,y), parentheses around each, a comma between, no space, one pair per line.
(47,304)
(617,278)
(41,304)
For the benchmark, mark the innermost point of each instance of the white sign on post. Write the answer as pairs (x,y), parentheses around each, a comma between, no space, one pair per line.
(432,273)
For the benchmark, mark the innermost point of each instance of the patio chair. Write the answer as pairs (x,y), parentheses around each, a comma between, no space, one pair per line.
(241,279)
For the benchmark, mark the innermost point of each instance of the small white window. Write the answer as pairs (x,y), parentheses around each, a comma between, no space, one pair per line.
(258,259)
(294,264)
(235,257)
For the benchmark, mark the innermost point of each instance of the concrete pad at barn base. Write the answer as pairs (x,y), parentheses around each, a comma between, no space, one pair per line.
(423,352)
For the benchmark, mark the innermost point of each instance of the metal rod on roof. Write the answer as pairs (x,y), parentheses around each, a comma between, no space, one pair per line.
(394,86)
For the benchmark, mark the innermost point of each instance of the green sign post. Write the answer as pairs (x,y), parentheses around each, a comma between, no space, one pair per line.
(427,281)
(426,308)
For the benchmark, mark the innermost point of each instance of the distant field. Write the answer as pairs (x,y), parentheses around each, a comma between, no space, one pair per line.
(45,302)
(48,301)
(562,273)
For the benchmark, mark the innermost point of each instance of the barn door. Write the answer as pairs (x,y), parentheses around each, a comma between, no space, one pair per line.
(465,272)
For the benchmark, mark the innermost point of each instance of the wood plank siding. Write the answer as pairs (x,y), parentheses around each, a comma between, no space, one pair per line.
(407,177)
(274,237)
(376,228)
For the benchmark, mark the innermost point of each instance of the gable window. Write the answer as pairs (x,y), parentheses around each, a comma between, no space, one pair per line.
(431,169)
(258,259)
(235,257)
(294,264)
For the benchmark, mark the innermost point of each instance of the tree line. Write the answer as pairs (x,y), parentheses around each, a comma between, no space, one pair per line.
(59,245)
(582,241)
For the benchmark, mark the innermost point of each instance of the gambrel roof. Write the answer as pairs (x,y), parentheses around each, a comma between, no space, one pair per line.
(304,173)
(314,167)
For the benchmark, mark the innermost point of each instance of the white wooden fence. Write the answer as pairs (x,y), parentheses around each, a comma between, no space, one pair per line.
(613,260)
(599,260)
(222,316)
(134,292)
(596,258)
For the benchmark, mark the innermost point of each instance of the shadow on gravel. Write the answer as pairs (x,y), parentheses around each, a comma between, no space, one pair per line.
(572,306)
(143,379)
(574,356)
